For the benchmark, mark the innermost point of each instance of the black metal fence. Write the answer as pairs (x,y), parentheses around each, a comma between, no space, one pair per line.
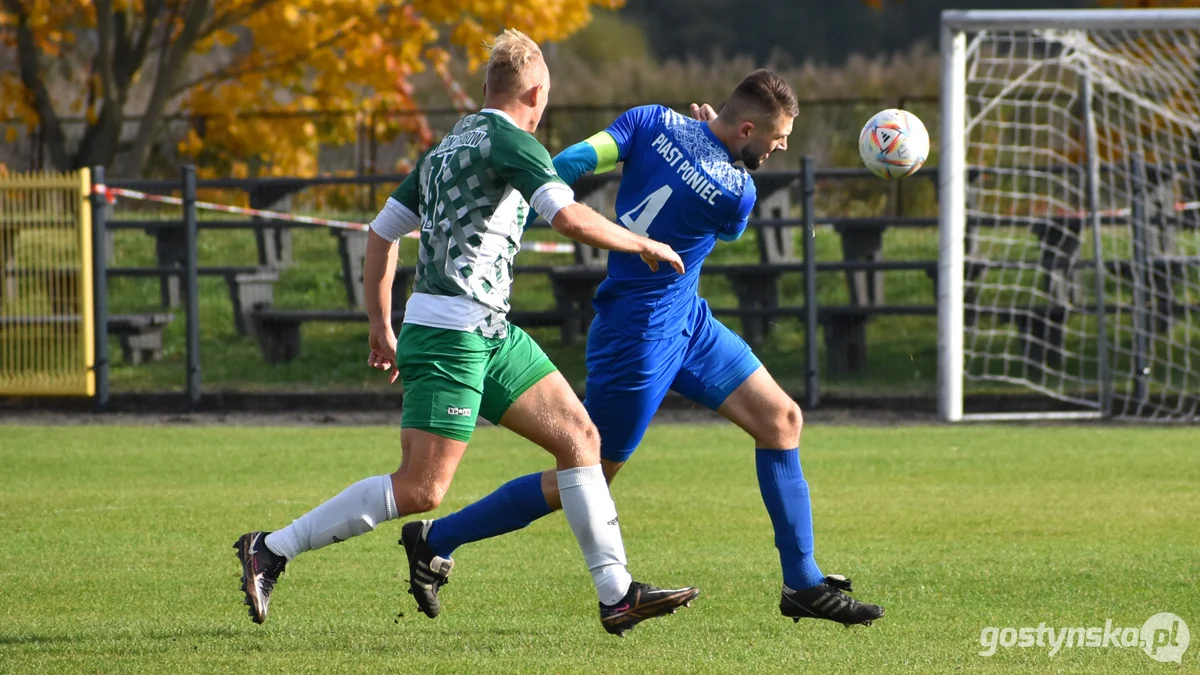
(847,322)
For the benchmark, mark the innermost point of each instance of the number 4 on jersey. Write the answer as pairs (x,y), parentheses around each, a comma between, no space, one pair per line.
(639,223)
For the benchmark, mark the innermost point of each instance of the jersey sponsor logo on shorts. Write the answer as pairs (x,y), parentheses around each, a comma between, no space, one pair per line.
(460,412)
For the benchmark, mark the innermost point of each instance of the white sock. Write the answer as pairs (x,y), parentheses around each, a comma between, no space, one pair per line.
(593,518)
(356,510)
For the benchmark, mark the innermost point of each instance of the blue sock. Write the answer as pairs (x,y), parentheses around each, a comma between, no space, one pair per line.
(785,493)
(512,506)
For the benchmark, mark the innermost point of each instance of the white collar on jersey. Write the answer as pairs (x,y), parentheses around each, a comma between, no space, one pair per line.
(501,113)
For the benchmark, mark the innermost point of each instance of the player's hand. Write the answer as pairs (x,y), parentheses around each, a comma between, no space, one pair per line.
(704,112)
(383,352)
(655,251)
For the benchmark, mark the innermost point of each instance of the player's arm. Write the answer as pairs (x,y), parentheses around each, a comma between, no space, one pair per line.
(596,154)
(732,231)
(526,165)
(601,152)
(581,223)
(397,218)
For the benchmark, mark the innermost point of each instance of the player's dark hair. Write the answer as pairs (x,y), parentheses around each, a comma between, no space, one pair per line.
(762,93)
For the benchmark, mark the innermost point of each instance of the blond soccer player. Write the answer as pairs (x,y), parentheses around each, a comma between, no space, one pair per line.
(458,356)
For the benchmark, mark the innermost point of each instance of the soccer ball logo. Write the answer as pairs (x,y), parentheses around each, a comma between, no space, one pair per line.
(893,144)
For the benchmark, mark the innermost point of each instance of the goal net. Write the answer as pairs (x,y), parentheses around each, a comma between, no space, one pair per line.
(1070,199)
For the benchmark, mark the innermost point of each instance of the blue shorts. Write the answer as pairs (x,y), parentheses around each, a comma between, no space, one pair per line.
(628,377)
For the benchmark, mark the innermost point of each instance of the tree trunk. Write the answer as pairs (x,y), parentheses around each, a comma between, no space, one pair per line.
(169,71)
(120,56)
(28,60)
(101,139)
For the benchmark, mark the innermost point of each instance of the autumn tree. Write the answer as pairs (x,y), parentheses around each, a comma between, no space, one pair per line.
(111,61)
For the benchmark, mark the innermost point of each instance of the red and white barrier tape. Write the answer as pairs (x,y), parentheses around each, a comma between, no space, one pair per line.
(273,215)
(461,100)
(110,192)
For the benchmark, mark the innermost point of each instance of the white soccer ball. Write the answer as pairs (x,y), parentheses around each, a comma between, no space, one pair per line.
(893,144)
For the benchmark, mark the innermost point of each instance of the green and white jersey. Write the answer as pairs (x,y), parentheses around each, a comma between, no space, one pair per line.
(472,193)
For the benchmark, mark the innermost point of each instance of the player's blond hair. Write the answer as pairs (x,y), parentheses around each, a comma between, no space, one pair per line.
(514,60)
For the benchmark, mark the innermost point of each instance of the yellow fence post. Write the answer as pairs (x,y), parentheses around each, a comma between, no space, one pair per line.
(85,281)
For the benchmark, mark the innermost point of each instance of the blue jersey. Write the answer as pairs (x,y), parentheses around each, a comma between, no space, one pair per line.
(678,186)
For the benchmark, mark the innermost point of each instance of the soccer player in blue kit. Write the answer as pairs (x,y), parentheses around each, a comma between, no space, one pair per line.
(653,333)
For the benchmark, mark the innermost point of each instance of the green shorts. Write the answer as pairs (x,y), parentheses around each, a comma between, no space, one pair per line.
(452,377)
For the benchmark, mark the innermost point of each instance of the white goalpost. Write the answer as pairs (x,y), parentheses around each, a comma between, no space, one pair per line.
(1069,190)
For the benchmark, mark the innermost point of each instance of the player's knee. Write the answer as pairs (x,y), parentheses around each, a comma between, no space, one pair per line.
(582,434)
(577,442)
(780,426)
(412,499)
(587,440)
(427,500)
(792,422)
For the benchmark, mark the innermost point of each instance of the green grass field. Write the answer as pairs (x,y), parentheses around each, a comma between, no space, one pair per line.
(117,556)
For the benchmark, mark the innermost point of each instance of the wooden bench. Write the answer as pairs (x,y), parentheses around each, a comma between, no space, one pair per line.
(755,286)
(274,249)
(574,286)
(250,288)
(757,290)
(352,249)
(278,330)
(844,328)
(140,335)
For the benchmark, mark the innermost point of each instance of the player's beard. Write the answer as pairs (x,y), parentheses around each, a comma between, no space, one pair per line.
(751,159)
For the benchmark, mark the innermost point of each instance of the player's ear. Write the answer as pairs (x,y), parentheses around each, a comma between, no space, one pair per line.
(536,92)
(745,129)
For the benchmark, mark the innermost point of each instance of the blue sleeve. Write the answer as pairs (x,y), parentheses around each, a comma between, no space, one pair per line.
(732,231)
(575,161)
(570,164)
(624,129)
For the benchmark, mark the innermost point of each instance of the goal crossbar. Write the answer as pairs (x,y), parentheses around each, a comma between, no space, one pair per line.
(1066,19)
